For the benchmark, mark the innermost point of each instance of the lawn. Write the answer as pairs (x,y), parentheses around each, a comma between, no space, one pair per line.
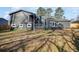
(39,41)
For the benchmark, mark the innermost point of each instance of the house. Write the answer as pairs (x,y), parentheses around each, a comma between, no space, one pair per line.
(27,20)
(23,19)
(57,23)
(74,24)
(3,24)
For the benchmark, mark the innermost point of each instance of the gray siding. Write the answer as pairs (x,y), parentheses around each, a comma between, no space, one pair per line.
(21,18)
(52,23)
(65,24)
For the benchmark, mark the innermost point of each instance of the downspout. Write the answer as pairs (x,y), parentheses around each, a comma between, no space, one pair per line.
(10,19)
(33,23)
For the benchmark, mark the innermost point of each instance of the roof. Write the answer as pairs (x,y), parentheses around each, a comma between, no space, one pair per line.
(20,11)
(62,20)
(77,21)
(3,21)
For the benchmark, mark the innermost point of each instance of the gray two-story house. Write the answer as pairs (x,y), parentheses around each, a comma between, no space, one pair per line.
(23,19)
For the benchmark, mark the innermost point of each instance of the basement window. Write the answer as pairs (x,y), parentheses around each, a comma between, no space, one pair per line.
(20,25)
(29,25)
(13,25)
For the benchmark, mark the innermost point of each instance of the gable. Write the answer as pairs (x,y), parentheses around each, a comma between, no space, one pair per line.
(21,11)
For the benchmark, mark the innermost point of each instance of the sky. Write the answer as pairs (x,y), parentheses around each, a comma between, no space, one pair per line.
(69,12)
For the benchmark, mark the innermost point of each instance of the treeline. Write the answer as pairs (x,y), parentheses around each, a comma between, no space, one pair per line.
(47,12)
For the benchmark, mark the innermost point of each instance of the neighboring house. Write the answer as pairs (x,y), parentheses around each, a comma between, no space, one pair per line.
(75,24)
(3,24)
(23,19)
(58,23)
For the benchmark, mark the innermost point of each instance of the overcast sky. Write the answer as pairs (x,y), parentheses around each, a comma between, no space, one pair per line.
(69,12)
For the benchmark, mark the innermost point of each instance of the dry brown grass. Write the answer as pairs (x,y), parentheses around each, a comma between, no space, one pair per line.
(39,41)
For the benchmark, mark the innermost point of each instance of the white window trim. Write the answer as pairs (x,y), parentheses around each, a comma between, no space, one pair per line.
(20,25)
(29,25)
(13,25)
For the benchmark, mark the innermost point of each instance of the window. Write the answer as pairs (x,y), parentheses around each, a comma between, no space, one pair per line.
(29,25)
(54,24)
(20,25)
(13,25)
(60,25)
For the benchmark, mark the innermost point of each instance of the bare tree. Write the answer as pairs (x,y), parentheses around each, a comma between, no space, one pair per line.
(49,11)
(41,12)
(59,12)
